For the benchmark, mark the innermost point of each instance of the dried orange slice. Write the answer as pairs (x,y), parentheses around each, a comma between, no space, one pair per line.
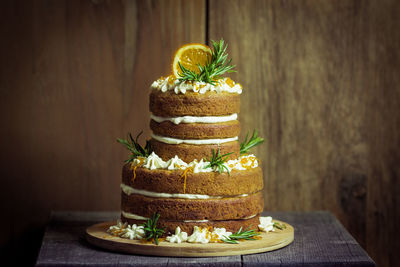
(190,55)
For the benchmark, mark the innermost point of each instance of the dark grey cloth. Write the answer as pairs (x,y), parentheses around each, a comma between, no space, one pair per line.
(320,240)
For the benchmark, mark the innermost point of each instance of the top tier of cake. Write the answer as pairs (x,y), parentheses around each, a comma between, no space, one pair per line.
(191,123)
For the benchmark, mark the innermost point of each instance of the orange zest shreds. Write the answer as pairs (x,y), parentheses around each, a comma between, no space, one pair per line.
(245,160)
(190,56)
(229,82)
(134,173)
(117,232)
(171,79)
(141,161)
(184,175)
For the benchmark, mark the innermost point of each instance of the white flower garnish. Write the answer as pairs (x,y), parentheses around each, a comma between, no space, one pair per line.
(199,236)
(266,224)
(178,237)
(220,233)
(126,231)
(133,232)
(118,228)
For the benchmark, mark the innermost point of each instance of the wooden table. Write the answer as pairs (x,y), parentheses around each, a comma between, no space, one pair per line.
(320,240)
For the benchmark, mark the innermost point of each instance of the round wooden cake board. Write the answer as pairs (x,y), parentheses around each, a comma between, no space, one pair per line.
(98,236)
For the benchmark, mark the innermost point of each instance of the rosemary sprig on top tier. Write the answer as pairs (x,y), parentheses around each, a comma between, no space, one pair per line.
(255,140)
(214,68)
(136,149)
(248,234)
(217,161)
(150,228)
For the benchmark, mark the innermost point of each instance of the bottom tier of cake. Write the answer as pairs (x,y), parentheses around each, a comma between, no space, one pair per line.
(187,226)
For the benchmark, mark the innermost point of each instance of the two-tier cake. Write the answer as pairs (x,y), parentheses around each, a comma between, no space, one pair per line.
(193,171)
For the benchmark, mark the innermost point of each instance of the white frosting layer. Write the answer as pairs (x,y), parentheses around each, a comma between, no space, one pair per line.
(192,119)
(171,83)
(196,221)
(175,141)
(130,190)
(153,162)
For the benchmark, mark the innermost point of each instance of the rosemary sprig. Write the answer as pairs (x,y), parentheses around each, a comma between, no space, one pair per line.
(150,228)
(217,161)
(255,140)
(247,234)
(136,149)
(279,226)
(214,68)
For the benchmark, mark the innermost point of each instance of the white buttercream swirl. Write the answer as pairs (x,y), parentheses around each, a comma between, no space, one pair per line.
(176,164)
(126,231)
(203,235)
(266,224)
(178,237)
(193,119)
(199,236)
(200,166)
(170,83)
(220,233)
(176,141)
(154,162)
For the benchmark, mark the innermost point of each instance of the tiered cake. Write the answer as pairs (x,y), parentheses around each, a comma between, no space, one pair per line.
(190,122)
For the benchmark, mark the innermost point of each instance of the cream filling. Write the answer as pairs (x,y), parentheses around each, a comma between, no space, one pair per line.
(133,216)
(138,217)
(195,221)
(175,141)
(130,190)
(192,119)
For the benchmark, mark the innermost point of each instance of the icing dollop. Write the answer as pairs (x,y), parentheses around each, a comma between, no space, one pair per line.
(126,231)
(220,233)
(154,162)
(199,236)
(176,164)
(266,224)
(178,237)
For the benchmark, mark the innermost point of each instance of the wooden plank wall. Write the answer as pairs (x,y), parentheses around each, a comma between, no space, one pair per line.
(321,84)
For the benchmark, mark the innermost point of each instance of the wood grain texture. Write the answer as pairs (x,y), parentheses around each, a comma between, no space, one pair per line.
(75,75)
(321,84)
